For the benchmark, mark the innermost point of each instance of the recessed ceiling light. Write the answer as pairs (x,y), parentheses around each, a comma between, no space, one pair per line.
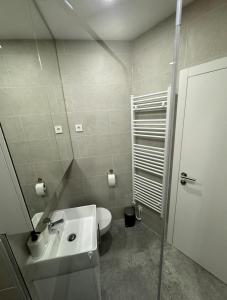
(0,46)
(69,4)
(108,1)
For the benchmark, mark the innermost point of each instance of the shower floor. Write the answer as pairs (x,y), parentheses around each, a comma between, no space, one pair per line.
(130,264)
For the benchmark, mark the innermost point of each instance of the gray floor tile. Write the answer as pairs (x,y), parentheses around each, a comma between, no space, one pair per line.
(130,264)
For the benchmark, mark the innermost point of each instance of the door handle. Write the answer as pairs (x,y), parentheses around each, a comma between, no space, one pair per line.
(185,178)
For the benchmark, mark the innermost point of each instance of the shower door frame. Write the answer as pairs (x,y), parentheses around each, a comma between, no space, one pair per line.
(170,140)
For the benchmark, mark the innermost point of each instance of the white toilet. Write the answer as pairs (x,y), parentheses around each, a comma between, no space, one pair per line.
(104,219)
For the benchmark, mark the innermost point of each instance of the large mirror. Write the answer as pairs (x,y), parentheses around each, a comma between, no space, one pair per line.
(32,106)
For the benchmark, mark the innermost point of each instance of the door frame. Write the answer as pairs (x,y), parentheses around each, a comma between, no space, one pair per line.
(184,75)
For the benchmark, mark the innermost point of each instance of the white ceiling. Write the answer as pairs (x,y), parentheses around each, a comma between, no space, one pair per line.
(109,19)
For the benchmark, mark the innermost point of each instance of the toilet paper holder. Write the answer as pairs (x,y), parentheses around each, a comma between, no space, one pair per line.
(110,171)
(40,187)
(40,180)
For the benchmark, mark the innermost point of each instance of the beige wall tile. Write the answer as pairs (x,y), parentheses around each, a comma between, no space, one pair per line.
(94,145)
(120,121)
(26,100)
(75,145)
(94,122)
(120,143)
(38,127)
(64,147)
(152,53)
(20,152)
(44,151)
(92,166)
(26,174)
(13,129)
(4,75)
(122,163)
(206,37)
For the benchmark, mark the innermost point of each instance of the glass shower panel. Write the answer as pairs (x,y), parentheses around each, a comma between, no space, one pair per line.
(104,56)
(102,65)
(12,285)
(193,262)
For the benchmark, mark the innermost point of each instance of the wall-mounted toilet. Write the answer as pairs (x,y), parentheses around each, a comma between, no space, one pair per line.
(104,219)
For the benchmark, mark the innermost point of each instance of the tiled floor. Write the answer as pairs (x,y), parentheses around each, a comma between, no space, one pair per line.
(130,263)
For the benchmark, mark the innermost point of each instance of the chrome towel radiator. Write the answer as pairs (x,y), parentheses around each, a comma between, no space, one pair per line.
(148,159)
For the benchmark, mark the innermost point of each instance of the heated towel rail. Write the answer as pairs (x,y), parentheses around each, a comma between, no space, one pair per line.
(148,160)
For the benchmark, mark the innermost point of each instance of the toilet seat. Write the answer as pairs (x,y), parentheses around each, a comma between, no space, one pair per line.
(104,219)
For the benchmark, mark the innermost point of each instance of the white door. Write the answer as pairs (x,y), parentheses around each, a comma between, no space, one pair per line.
(200,226)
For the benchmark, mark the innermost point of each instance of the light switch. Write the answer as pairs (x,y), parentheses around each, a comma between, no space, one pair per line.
(79,127)
(58,129)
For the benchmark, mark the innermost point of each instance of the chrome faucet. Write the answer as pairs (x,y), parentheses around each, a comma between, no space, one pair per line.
(51,225)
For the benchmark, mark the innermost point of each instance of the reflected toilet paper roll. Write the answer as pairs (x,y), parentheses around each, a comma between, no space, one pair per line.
(37,247)
(40,188)
(111,179)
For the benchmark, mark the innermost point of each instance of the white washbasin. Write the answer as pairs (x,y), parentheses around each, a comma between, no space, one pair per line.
(62,256)
(83,242)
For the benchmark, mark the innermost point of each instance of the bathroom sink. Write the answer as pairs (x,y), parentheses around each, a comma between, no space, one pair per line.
(71,247)
(77,236)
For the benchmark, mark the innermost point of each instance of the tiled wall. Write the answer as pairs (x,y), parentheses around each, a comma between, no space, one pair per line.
(203,38)
(97,90)
(204,31)
(152,53)
(31,103)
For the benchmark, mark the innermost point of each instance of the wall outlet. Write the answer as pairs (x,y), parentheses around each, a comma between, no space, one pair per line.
(58,129)
(78,127)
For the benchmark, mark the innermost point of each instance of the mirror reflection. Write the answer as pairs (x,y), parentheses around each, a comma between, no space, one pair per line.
(32,105)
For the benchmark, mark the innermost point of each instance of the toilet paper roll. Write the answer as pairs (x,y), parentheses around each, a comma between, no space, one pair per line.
(37,248)
(40,189)
(111,179)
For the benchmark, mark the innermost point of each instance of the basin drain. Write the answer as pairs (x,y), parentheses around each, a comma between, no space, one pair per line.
(71,237)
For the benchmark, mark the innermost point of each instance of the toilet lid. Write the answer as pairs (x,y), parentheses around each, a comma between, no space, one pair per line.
(104,217)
